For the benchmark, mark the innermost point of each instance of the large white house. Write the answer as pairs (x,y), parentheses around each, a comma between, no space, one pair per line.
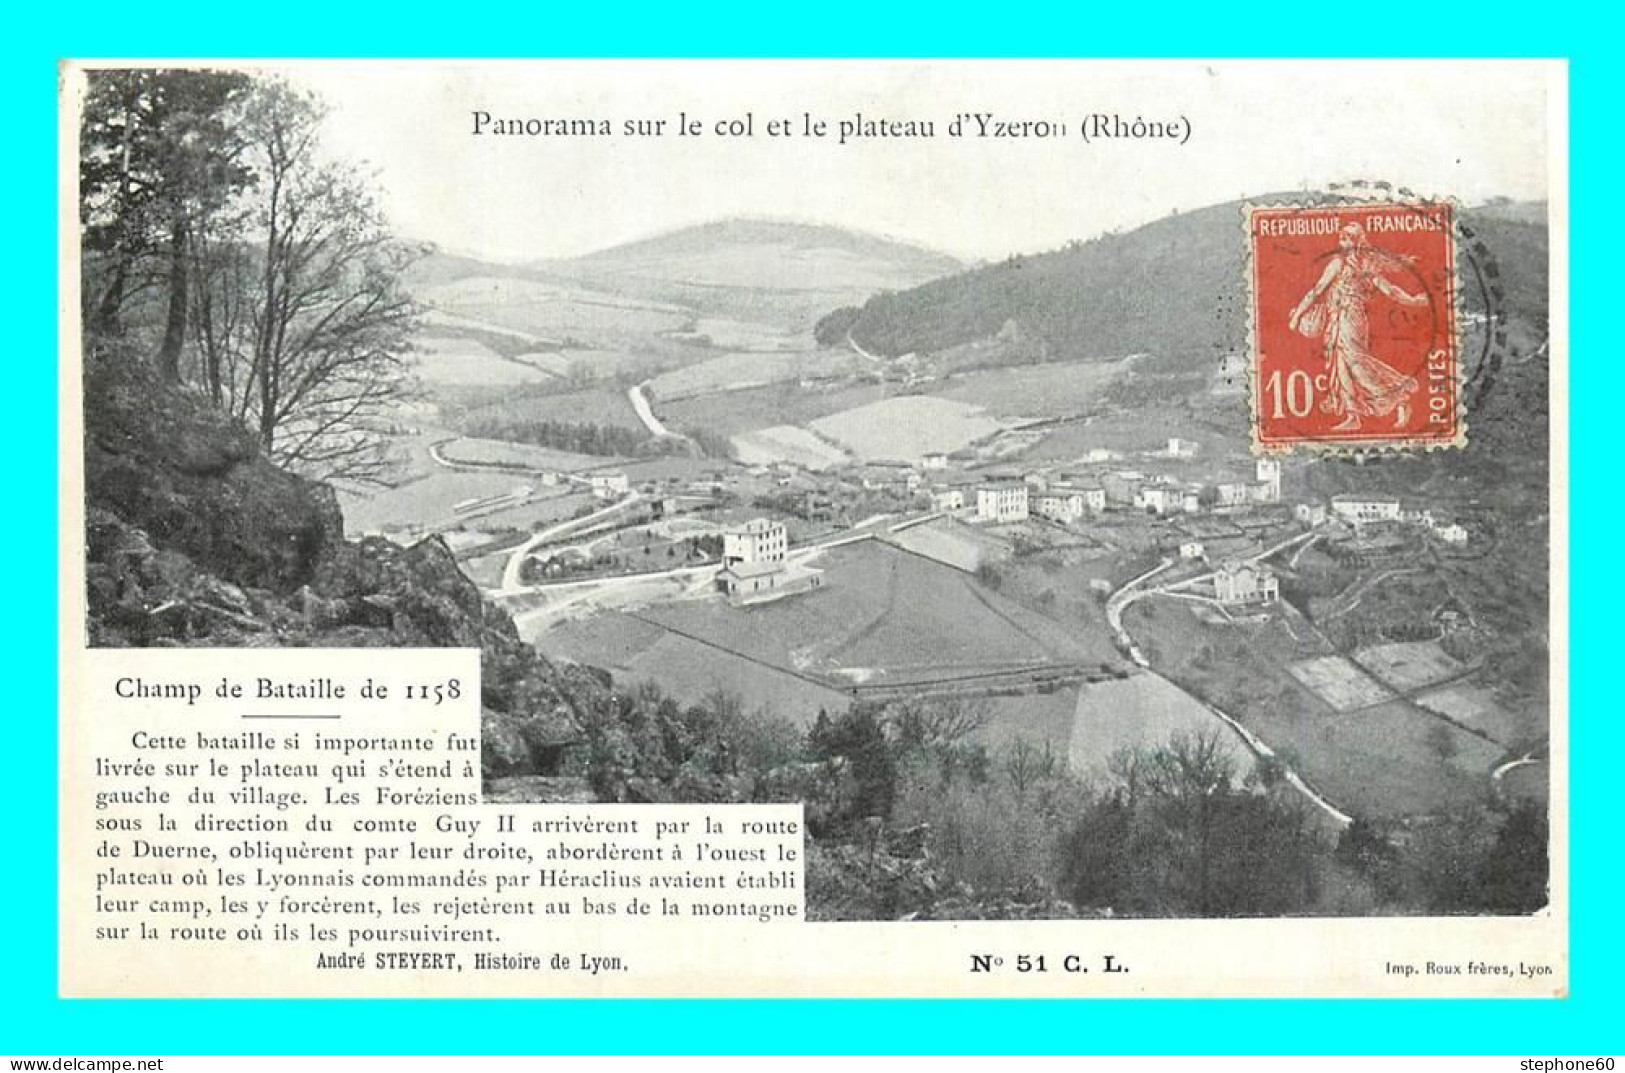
(1001,503)
(1160,498)
(1062,505)
(759,541)
(1246,583)
(1361,509)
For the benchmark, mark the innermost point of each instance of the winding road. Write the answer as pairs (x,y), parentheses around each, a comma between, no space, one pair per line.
(640,402)
(512,585)
(1132,591)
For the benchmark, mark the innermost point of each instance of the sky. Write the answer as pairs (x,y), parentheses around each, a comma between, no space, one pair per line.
(1470,130)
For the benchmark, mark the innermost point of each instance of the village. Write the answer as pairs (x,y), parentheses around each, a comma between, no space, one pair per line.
(1037,588)
(753,528)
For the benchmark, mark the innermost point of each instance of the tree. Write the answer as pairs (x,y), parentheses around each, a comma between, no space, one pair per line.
(1179,836)
(1515,874)
(858,738)
(301,320)
(930,722)
(1026,764)
(159,155)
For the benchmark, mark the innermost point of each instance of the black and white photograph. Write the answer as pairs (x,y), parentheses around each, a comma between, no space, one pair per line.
(890,439)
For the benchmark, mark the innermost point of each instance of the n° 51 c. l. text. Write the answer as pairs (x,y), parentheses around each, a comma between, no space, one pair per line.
(1044,963)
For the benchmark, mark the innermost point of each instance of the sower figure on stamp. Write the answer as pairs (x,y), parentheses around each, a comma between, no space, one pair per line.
(1359,384)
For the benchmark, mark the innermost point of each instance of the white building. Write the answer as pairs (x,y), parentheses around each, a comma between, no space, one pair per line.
(1310,514)
(1246,583)
(1062,506)
(1190,500)
(1451,534)
(1234,493)
(1269,481)
(1001,503)
(948,499)
(609,485)
(936,460)
(1416,514)
(1192,549)
(1159,498)
(746,583)
(759,541)
(1178,448)
(1362,509)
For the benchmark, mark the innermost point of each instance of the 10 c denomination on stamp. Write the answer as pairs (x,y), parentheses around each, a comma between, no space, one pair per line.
(1354,326)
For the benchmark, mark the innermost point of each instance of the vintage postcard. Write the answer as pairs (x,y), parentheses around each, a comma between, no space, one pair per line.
(1020,528)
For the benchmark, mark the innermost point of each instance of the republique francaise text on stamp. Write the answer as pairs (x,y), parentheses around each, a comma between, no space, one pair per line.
(1355,342)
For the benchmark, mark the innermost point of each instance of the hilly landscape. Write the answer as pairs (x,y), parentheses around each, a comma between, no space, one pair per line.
(1173,288)
(777,274)
(1145,335)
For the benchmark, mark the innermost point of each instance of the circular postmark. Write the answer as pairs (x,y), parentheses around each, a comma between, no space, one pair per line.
(1376,321)
(1479,300)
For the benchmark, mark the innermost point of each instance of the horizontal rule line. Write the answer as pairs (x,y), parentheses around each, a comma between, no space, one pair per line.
(274,716)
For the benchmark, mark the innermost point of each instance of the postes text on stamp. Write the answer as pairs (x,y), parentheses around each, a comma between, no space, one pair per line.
(1354,333)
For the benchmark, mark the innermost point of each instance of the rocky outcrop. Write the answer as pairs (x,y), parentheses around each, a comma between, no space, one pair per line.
(193,479)
(193,538)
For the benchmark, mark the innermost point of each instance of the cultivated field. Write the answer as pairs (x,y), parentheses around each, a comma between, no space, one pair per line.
(1132,432)
(1050,390)
(552,311)
(635,651)
(1408,665)
(1476,707)
(952,544)
(907,427)
(883,617)
(426,502)
(1389,760)
(1142,710)
(1339,682)
(548,506)
(442,360)
(1039,718)
(596,406)
(725,333)
(1393,742)
(502,453)
(735,372)
(783,403)
(787,443)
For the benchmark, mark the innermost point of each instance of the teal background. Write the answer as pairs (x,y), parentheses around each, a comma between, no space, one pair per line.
(32,1020)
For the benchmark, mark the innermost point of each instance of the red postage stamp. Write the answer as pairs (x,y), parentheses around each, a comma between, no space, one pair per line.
(1354,326)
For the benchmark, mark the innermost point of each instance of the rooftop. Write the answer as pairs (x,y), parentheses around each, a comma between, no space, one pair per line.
(750,570)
